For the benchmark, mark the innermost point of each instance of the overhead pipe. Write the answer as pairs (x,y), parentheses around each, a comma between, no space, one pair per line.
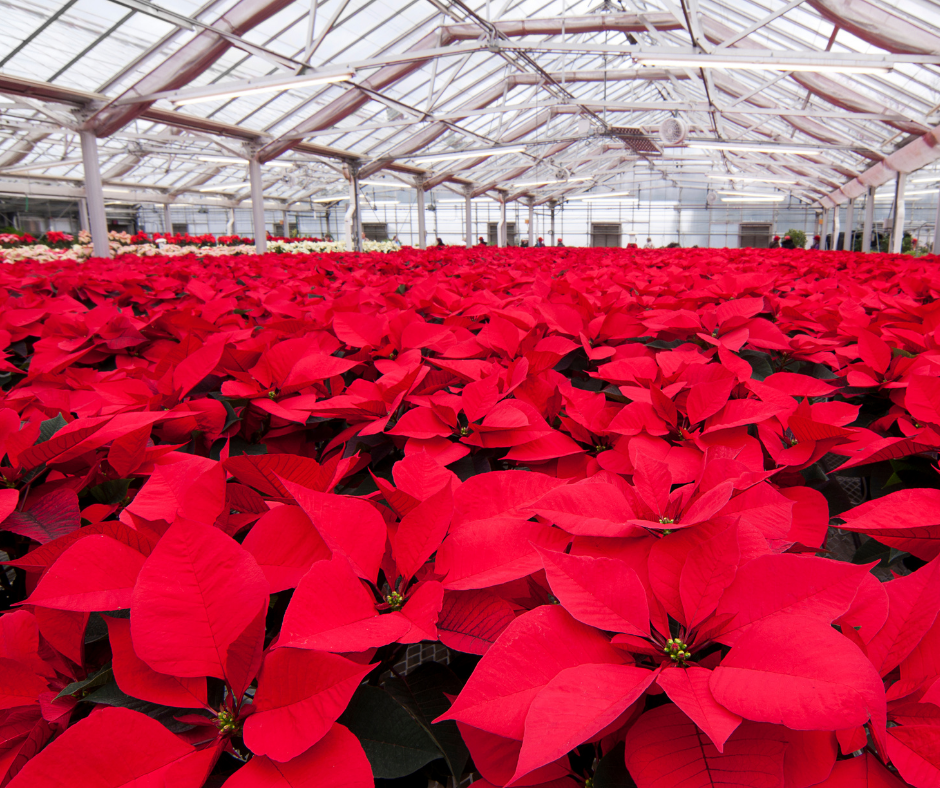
(807,126)
(515,173)
(877,25)
(186,63)
(485,98)
(913,156)
(353,99)
(824,87)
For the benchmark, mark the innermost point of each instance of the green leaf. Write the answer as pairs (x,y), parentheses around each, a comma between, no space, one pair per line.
(421,693)
(111,492)
(395,744)
(111,695)
(238,446)
(96,629)
(612,772)
(50,427)
(231,417)
(97,679)
(761,366)
(871,551)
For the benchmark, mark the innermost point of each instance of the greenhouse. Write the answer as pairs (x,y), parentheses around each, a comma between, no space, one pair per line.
(435,393)
(510,120)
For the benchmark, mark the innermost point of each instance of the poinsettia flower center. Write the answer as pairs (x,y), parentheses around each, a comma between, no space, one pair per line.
(677,650)
(227,723)
(395,600)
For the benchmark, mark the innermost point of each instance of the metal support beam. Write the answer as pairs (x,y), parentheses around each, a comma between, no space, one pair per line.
(501,226)
(469,217)
(552,228)
(284,225)
(83,215)
(167,219)
(850,226)
(757,25)
(531,221)
(354,213)
(257,206)
(835,227)
(94,195)
(869,219)
(897,232)
(936,228)
(823,228)
(422,232)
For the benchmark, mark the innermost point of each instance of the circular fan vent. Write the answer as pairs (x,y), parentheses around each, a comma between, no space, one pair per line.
(712,198)
(673,131)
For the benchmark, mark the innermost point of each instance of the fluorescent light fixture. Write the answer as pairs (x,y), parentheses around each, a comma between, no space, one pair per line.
(756,178)
(250,87)
(374,203)
(747,194)
(228,187)
(275,163)
(523,184)
(758,148)
(329,199)
(122,189)
(614,201)
(907,194)
(755,198)
(467,154)
(588,197)
(750,64)
(926,179)
(223,160)
(474,199)
(383,184)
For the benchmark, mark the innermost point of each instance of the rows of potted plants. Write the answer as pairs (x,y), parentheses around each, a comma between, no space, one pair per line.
(654,517)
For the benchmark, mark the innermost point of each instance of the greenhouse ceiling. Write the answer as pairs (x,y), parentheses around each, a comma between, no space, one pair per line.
(539,100)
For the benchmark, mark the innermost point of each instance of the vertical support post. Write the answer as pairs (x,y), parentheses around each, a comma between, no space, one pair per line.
(354,212)
(329,208)
(230,224)
(257,206)
(83,215)
(850,226)
(422,231)
(897,232)
(532,221)
(167,221)
(936,228)
(824,229)
(835,226)
(869,219)
(551,232)
(468,208)
(284,224)
(94,195)
(501,227)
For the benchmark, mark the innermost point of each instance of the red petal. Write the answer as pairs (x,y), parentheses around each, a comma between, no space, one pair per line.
(95,573)
(801,673)
(332,611)
(300,695)
(688,689)
(665,749)
(136,678)
(196,594)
